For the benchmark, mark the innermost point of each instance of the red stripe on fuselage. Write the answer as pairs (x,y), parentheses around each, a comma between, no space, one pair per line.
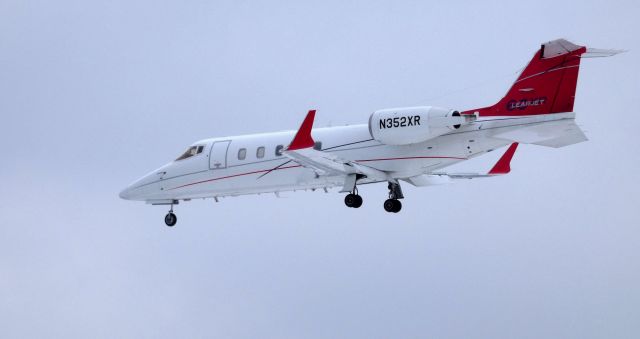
(295,166)
(231,176)
(410,158)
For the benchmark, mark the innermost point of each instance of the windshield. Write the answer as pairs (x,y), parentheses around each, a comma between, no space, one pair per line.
(191,151)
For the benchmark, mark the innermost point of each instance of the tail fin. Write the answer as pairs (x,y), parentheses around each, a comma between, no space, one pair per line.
(546,85)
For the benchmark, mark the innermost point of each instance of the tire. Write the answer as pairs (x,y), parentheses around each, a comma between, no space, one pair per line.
(170,219)
(390,205)
(358,201)
(350,200)
(398,206)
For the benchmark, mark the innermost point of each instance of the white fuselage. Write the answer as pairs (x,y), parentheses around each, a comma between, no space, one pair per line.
(218,171)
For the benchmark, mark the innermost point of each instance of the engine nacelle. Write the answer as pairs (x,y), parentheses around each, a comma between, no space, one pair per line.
(411,125)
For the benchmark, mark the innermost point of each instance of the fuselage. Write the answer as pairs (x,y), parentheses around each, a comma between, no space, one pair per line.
(409,144)
(250,164)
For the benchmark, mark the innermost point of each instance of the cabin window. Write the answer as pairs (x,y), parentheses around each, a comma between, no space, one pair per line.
(242,153)
(260,152)
(317,146)
(279,149)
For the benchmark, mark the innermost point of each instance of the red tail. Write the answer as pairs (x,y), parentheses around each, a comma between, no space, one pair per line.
(546,85)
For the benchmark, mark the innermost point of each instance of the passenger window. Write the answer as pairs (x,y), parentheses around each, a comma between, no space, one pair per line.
(260,152)
(242,154)
(317,146)
(279,149)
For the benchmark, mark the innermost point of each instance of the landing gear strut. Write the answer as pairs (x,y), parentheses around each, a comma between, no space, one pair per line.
(170,219)
(393,205)
(353,199)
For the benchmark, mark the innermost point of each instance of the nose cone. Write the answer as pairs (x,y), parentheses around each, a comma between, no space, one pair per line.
(126,193)
(145,188)
(135,192)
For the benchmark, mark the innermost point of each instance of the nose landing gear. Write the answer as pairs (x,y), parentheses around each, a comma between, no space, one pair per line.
(170,219)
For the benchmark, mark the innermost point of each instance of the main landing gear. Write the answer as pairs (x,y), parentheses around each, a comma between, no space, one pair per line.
(353,199)
(170,219)
(391,205)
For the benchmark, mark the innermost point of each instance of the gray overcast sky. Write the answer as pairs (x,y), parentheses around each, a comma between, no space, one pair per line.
(93,94)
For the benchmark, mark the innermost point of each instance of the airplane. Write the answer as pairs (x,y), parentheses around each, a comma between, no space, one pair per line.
(407,144)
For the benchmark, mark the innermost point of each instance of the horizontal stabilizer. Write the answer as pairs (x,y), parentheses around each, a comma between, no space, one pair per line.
(573,136)
(551,134)
(601,53)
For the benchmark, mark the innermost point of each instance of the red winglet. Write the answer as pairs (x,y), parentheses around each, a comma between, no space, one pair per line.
(503,165)
(303,138)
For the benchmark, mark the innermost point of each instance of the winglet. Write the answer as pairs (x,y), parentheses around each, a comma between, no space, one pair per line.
(303,138)
(503,165)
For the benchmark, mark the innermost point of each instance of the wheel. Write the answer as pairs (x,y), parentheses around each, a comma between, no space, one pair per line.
(350,200)
(358,201)
(353,200)
(389,205)
(398,206)
(392,205)
(170,219)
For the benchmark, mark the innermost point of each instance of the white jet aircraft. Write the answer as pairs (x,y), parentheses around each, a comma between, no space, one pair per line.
(410,144)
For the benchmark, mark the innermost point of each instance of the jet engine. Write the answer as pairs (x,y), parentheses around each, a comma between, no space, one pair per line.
(411,125)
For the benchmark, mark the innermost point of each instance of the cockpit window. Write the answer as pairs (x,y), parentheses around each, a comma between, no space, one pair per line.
(191,151)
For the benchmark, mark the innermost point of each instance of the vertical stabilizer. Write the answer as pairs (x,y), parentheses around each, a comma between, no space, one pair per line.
(547,85)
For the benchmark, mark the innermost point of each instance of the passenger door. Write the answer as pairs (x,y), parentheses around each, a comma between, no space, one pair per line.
(218,156)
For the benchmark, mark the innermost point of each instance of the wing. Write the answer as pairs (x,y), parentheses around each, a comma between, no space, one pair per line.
(503,166)
(302,151)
